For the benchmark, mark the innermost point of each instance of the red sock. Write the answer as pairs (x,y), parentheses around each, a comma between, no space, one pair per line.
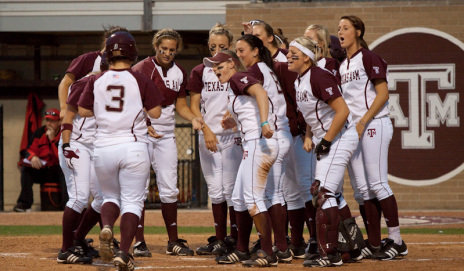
(245,224)
(89,219)
(373,215)
(390,211)
(233,223)
(139,237)
(70,222)
(220,220)
(109,213)
(297,220)
(128,225)
(278,215)
(169,211)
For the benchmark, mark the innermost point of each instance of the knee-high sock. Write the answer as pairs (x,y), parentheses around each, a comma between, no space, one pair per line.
(244,224)
(362,211)
(220,219)
(169,211)
(373,214)
(139,236)
(278,216)
(233,223)
(88,221)
(297,220)
(70,223)
(263,226)
(109,213)
(310,218)
(390,213)
(129,223)
(345,212)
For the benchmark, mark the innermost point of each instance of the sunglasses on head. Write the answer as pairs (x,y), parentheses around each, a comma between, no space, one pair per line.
(51,113)
(253,22)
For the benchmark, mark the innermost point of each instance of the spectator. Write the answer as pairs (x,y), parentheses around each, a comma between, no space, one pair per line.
(40,163)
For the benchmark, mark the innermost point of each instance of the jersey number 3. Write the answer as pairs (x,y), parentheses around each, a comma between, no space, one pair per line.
(116,97)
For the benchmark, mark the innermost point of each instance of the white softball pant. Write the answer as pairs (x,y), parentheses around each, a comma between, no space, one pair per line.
(122,171)
(81,181)
(299,175)
(330,169)
(249,191)
(373,159)
(163,157)
(274,187)
(220,168)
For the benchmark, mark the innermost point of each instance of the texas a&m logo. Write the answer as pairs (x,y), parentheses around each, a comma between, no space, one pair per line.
(371,132)
(425,81)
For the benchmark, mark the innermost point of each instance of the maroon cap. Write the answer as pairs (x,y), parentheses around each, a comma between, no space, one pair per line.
(216,59)
(52,114)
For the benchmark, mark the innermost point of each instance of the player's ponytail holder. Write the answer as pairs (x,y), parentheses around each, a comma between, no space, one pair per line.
(303,49)
(66,126)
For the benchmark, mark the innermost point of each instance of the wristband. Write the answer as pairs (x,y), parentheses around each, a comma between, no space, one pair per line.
(66,126)
(65,145)
(264,123)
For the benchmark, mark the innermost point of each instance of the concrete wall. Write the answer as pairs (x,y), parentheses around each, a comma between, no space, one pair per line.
(380,18)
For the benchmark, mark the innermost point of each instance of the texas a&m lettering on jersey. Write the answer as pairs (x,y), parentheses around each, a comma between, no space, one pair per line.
(424,84)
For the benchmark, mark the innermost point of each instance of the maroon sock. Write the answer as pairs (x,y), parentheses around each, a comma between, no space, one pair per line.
(109,213)
(277,215)
(100,223)
(220,219)
(297,220)
(373,215)
(390,211)
(70,222)
(233,223)
(310,218)
(128,225)
(89,219)
(169,211)
(244,224)
(139,237)
(345,212)
(362,211)
(263,226)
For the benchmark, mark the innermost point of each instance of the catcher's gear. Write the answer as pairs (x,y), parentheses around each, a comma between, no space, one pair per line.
(350,236)
(322,148)
(69,154)
(121,45)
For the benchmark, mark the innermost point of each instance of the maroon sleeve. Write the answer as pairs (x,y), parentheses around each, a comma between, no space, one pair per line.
(195,83)
(324,85)
(151,96)
(82,65)
(287,81)
(375,66)
(240,82)
(256,73)
(332,65)
(86,99)
(182,91)
(76,90)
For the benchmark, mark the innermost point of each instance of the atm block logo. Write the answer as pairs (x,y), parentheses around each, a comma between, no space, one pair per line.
(426,83)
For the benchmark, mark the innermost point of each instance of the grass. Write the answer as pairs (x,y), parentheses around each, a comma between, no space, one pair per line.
(50,230)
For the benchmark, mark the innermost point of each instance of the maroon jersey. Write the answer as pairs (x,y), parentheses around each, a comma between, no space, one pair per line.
(85,64)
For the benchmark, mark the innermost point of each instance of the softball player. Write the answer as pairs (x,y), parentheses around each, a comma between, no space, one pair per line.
(75,153)
(220,150)
(251,108)
(171,80)
(364,85)
(80,67)
(329,125)
(259,62)
(265,33)
(118,99)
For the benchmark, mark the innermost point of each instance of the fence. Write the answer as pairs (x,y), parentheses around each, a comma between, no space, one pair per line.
(192,188)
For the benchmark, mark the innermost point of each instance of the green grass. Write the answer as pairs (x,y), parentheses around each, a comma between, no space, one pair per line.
(49,230)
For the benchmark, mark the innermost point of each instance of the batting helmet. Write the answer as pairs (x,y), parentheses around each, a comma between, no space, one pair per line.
(121,45)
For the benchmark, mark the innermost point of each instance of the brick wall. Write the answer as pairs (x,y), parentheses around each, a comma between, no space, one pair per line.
(380,17)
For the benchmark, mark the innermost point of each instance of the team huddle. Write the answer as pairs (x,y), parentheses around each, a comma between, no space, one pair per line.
(279,124)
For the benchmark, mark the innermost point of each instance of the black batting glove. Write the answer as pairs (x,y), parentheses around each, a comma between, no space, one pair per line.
(322,148)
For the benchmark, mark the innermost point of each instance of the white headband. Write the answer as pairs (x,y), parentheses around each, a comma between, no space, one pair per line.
(303,49)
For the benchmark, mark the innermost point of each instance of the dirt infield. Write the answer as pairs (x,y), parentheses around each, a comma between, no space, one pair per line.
(426,252)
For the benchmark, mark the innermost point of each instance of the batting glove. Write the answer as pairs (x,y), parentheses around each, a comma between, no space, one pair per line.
(322,148)
(69,154)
